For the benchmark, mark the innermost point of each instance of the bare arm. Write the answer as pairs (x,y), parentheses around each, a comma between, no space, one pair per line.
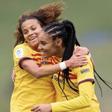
(86,93)
(31,66)
(76,60)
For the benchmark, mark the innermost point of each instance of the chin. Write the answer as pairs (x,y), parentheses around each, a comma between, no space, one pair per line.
(49,55)
(46,54)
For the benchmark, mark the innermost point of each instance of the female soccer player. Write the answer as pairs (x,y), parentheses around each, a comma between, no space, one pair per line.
(74,86)
(30,87)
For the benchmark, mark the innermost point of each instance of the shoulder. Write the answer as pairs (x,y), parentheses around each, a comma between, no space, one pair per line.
(21,46)
(84,68)
(20,50)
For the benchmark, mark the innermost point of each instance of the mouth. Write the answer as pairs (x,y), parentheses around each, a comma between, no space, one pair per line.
(32,38)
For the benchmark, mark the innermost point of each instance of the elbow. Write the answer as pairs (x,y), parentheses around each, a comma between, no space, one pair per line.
(24,65)
(35,71)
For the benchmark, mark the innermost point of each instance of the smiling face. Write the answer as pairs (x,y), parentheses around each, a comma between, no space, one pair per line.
(49,46)
(31,29)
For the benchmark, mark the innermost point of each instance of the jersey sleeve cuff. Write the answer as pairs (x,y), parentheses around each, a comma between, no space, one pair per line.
(87,80)
(22,59)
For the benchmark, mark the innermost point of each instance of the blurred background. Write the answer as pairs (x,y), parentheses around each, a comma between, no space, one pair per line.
(93,22)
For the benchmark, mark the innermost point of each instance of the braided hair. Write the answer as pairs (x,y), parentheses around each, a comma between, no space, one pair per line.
(66,31)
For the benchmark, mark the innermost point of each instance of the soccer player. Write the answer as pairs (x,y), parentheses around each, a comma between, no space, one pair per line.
(30,87)
(74,86)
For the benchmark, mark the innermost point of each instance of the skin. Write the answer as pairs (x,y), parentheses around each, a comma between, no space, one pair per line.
(50,47)
(31,29)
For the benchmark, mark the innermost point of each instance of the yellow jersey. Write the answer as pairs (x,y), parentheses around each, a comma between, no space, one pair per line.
(82,101)
(28,90)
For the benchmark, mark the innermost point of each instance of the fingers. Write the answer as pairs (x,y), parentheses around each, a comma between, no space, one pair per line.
(80,51)
(77,61)
(81,57)
(76,49)
(83,63)
(35,109)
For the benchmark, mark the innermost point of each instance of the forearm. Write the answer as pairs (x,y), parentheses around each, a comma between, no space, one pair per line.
(31,67)
(43,70)
(74,104)
(51,69)
(83,101)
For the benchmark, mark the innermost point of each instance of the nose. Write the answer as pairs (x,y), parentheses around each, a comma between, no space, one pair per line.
(30,32)
(40,47)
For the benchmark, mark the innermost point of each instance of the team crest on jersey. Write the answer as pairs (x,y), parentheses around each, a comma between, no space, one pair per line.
(19,53)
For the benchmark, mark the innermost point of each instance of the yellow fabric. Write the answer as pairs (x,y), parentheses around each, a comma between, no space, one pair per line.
(85,100)
(29,90)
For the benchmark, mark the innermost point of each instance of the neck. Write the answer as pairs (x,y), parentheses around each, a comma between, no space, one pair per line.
(61,52)
(34,47)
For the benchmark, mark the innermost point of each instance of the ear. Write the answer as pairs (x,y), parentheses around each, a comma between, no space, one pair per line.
(58,42)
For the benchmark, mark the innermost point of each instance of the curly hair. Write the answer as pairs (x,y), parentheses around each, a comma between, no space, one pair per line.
(44,15)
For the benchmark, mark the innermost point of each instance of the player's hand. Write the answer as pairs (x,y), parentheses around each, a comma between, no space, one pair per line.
(42,108)
(81,51)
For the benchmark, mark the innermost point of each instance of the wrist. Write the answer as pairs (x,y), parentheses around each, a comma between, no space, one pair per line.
(68,63)
(62,65)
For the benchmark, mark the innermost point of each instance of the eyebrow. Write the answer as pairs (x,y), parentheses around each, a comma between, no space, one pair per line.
(28,26)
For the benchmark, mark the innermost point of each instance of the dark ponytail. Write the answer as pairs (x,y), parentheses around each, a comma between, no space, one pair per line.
(66,31)
(69,48)
(68,53)
(70,41)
